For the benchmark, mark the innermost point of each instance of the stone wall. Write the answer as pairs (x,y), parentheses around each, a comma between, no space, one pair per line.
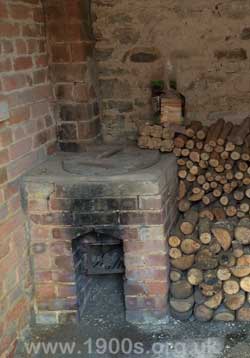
(72,71)
(203,44)
(27,136)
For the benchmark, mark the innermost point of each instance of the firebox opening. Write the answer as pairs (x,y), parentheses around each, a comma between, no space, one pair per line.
(99,269)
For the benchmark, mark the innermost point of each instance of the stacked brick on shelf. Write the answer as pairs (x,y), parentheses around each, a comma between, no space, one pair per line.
(27,136)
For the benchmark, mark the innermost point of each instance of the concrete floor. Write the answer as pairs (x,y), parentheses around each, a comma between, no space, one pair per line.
(175,340)
(110,335)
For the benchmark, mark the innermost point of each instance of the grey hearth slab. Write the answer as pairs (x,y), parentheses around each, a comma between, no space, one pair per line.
(150,174)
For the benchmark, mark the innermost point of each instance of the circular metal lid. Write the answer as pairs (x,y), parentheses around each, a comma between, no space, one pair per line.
(110,160)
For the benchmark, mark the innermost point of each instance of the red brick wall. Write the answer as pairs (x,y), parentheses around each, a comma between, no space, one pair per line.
(61,212)
(25,139)
(72,71)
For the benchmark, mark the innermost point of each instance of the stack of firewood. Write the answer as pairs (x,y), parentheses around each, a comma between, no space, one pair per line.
(210,267)
(210,244)
(214,168)
(214,162)
(156,137)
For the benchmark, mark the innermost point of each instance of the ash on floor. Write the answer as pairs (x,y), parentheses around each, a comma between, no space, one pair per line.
(106,298)
(107,337)
(103,332)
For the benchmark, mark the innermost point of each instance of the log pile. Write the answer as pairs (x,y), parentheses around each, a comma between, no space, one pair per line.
(213,164)
(209,248)
(158,137)
(210,267)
